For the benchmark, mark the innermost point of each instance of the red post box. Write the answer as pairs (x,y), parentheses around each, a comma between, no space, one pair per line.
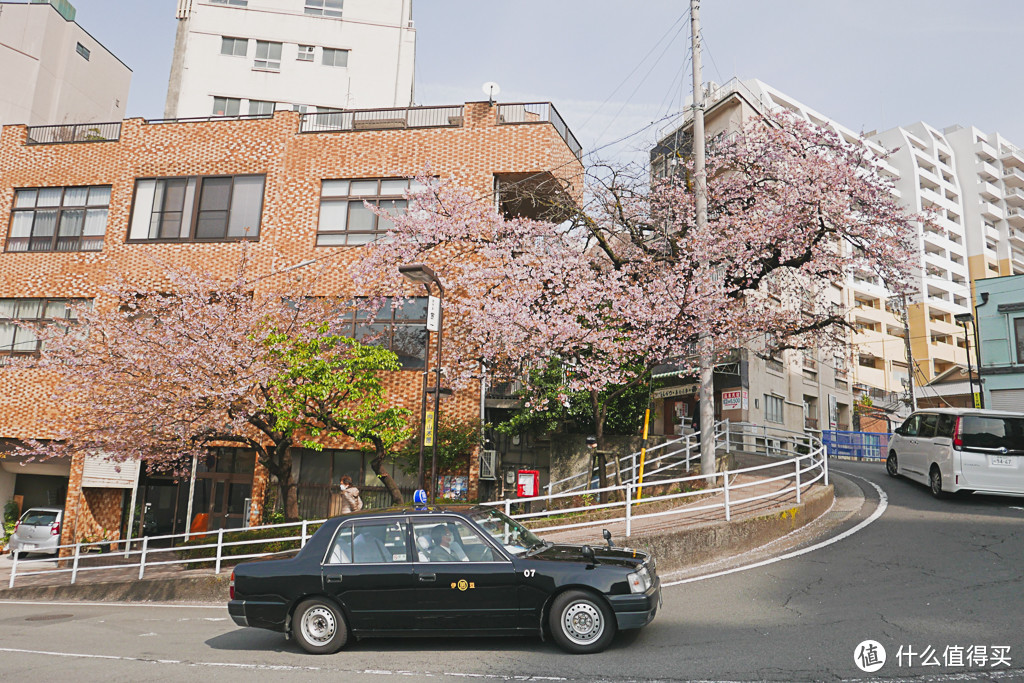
(527,483)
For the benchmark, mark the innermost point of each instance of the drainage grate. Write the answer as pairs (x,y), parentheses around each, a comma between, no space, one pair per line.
(49,617)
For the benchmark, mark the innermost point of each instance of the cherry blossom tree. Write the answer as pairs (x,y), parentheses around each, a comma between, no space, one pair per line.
(626,280)
(161,376)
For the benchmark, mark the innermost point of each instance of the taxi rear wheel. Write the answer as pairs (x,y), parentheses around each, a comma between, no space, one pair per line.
(581,622)
(319,627)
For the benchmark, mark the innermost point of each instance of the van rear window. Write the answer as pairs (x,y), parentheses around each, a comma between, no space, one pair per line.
(993,432)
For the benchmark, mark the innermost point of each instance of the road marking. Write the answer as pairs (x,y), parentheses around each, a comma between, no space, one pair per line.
(883,503)
(109,604)
(284,667)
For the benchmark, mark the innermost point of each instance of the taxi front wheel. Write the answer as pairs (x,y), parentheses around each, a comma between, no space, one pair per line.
(319,627)
(581,622)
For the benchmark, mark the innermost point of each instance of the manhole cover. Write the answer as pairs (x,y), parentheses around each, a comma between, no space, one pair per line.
(49,617)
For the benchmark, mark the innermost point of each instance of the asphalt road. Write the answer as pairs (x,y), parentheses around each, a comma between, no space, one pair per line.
(906,571)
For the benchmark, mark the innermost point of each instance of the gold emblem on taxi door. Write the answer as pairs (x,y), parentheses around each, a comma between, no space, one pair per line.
(463,584)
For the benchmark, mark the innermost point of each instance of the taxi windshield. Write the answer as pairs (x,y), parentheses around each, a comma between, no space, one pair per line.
(515,537)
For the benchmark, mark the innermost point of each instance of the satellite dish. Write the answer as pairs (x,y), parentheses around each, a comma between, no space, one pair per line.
(492,90)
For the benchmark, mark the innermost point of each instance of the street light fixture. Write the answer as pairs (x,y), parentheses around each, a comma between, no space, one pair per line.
(963,319)
(421,273)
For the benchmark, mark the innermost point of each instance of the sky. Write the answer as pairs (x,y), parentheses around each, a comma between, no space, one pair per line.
(615,70)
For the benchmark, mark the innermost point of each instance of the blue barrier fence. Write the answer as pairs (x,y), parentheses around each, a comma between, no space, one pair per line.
(855,445)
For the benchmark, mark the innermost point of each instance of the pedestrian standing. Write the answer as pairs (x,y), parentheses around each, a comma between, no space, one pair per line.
(351,501)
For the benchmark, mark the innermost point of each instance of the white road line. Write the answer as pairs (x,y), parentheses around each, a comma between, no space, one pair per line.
(110,604)
(883,503)
(284,667)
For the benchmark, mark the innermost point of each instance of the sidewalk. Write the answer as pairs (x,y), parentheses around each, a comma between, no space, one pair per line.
(686,538)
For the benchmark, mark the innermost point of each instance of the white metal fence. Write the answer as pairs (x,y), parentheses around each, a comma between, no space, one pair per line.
(158,551)
(806,465)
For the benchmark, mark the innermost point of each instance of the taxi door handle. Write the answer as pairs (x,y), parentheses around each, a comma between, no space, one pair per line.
(428,577)
(334,578)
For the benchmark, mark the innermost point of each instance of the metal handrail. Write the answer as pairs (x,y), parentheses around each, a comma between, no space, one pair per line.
(73,133)
(540,112)
(382,119)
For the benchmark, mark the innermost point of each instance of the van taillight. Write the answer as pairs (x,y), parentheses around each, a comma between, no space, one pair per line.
(16,525)
(55,529)
(958,441)
(231,586)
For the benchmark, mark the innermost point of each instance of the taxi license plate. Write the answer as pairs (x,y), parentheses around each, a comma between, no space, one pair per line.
(28,546)
(1002,461)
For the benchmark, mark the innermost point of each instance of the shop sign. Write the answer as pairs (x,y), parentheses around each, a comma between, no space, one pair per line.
(99,472)
(680,390)
(734,400)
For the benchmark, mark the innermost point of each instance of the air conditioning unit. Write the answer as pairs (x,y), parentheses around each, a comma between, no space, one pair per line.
(488,465)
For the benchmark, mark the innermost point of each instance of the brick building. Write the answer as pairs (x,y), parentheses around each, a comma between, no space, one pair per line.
(188,193)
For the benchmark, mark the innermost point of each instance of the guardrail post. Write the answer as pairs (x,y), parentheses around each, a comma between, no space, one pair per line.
(508,508)
(305,527)
(629,508)
(725,492)
(824,464)
(728,437)
(142,560)
(686,445)
(74,563)
(14,568)
(798,481)
(220,545)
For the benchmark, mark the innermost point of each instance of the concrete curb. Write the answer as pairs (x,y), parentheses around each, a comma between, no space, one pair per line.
(711,541)
(207,588)
(674,550)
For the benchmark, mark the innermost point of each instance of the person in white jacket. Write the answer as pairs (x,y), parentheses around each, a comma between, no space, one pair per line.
(350,499)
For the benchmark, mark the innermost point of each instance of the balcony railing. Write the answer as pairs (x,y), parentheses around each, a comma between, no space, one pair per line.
(539,112)
(382,119)
(75,132)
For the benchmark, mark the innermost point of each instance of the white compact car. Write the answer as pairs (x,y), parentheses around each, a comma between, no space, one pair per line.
(38,531)
(960,449)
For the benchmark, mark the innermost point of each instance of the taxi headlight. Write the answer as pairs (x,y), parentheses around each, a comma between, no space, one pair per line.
(639,581)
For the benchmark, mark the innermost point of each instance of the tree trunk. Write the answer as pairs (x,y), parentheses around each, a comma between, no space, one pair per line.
(288,485)
(378,467)
(602,463)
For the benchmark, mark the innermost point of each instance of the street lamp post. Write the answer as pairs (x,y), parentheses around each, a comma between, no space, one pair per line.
(424,275)
(963,319)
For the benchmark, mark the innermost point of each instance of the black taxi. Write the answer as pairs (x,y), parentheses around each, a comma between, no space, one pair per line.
(444,572)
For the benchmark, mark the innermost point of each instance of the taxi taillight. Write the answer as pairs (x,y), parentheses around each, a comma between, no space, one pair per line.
(958,441)
(231,586)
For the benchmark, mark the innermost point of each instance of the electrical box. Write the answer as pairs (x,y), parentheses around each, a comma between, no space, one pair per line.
(527,483)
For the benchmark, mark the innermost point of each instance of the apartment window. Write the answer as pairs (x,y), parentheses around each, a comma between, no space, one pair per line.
(210,208)
(82,50)
(226,106)
(236,3)
(773,408)
(324,8)
(335,57)
(345,219)
(268,55)
(402,330)
(1018,328)
(257,107)
(306,53)
(16,340)
(59,219)
(235,47)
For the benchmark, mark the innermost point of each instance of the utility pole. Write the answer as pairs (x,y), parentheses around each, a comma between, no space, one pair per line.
(705,352)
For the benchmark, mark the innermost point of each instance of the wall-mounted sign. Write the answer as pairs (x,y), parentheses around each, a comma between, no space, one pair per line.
(680,390)
(433,314)
(100,473)
(428,429)
(735,399)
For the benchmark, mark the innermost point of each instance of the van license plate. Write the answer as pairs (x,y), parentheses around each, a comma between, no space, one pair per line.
(1002,461)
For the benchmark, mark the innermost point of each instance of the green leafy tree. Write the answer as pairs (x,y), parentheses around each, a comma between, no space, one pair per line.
(456,441)
(330,387)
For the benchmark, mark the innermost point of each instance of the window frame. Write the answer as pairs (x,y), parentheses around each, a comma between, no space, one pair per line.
(376,198)
(267,62)
(352,524)
(83,51)
(334,52)
(260,106)
(350,322)
(234,46)
(1018,331)
(228,101)
(769,411)
(307,53)
(60,209)
(195,210)
(45,302)
(318,8)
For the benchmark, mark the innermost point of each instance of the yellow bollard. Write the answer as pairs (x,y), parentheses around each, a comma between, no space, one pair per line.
(643,454)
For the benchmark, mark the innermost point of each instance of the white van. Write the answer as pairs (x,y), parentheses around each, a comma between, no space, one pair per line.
(960,449)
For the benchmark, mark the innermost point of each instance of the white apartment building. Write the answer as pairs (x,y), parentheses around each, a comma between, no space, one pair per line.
(53,72)
(243,57)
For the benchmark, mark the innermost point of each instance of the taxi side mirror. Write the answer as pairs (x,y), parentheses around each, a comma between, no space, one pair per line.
(588,554)
(607,537)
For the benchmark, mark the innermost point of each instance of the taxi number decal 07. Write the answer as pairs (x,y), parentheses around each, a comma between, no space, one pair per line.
(529,572)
